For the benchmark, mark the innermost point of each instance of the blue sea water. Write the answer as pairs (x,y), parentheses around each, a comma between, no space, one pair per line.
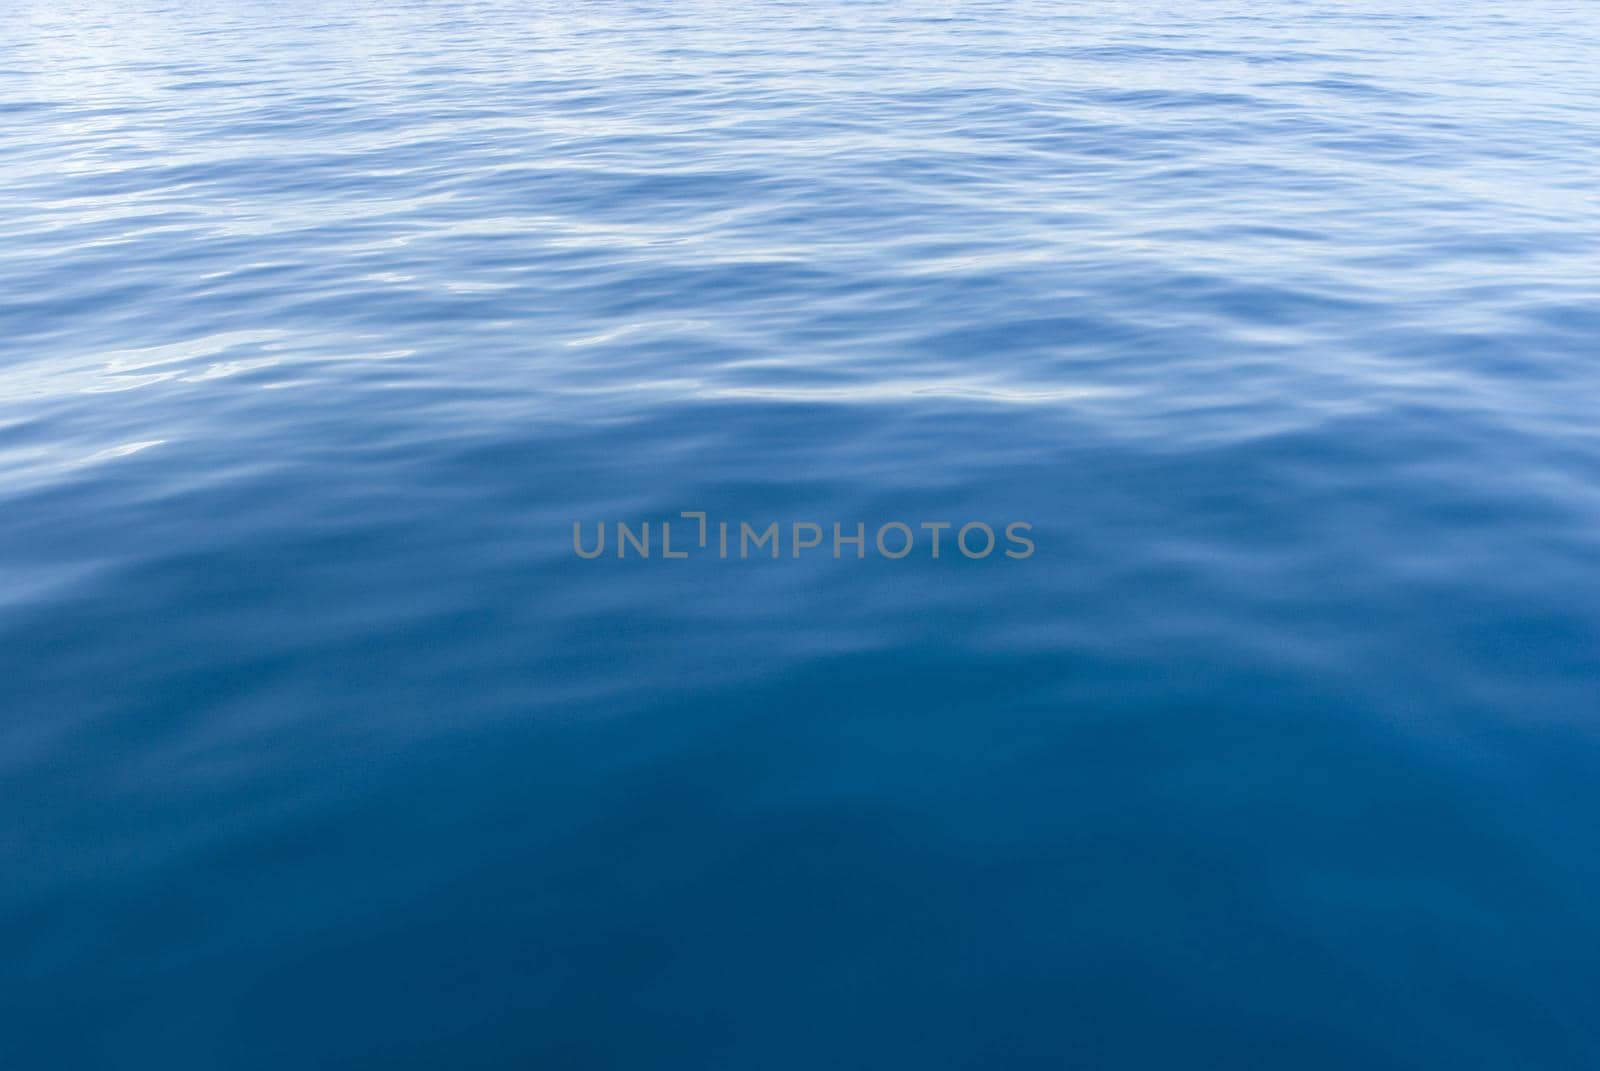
(322,323)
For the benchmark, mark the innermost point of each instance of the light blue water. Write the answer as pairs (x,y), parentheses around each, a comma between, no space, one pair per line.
(322,323)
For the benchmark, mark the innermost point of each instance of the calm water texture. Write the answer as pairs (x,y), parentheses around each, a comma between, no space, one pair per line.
(321,324)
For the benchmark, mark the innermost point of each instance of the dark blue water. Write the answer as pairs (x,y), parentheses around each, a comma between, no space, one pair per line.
(321,324)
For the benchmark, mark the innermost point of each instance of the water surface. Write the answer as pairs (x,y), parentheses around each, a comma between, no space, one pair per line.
(322,323)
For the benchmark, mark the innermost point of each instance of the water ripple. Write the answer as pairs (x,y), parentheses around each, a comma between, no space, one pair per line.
(323,324)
